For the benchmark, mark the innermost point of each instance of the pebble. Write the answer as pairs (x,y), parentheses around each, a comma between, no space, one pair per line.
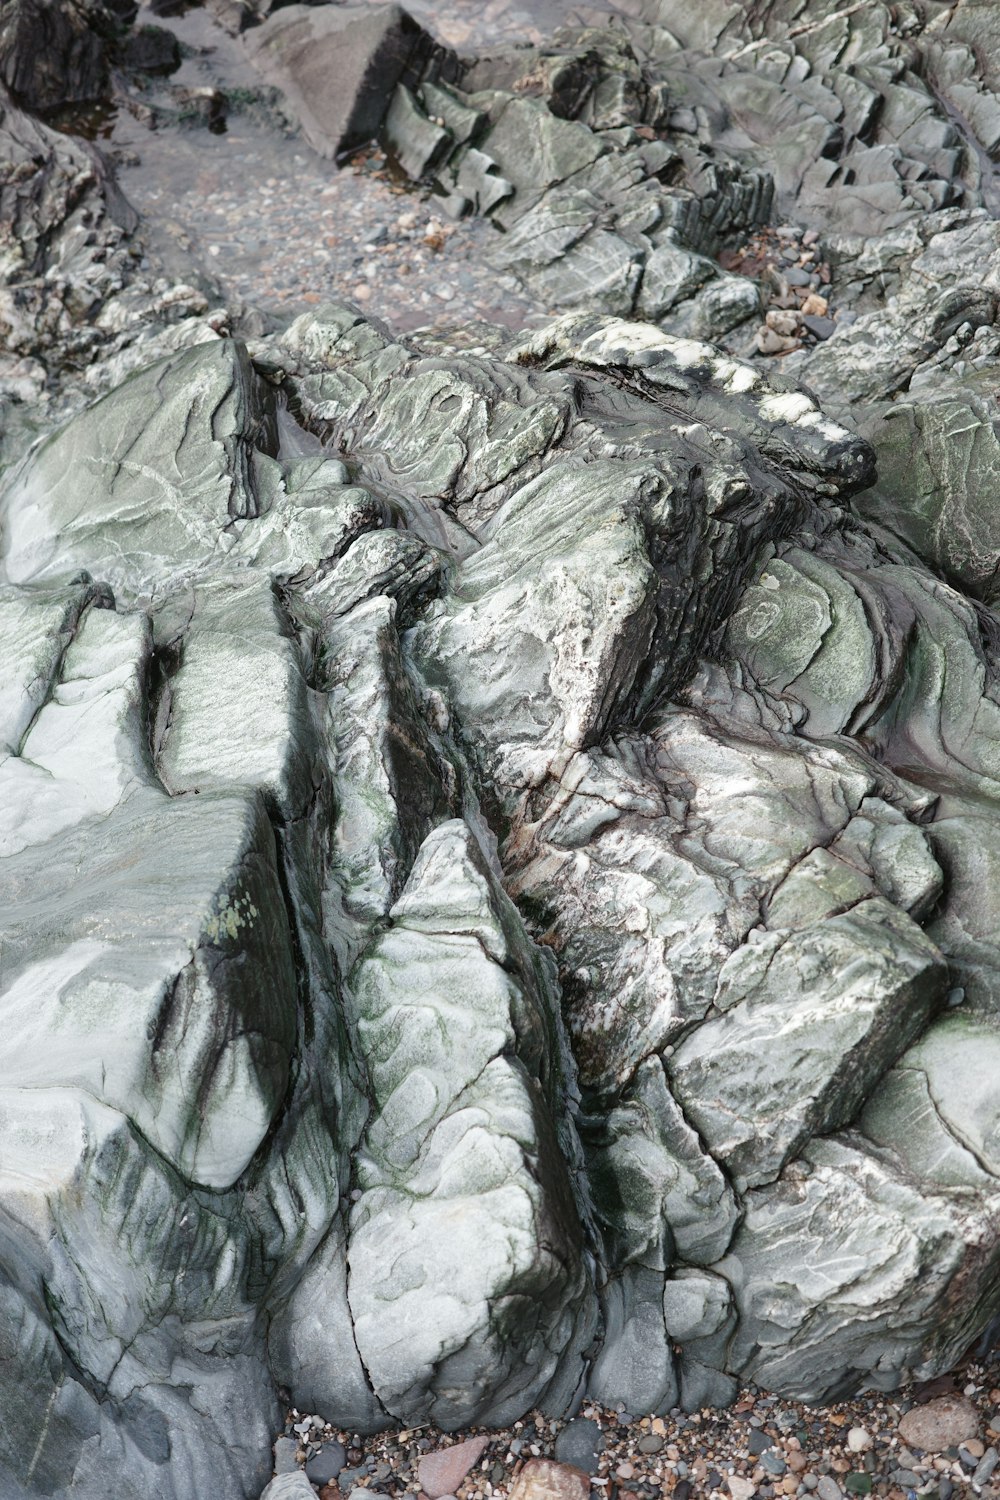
(541,1479)
(855,1450)
(820,328)
(581,1444)
(783,322)
(442,1472)
(758,1442)
(939,1424)
(769,342)
(327,1463)
(987,1464)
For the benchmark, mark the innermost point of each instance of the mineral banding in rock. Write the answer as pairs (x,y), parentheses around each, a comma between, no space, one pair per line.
(499,828)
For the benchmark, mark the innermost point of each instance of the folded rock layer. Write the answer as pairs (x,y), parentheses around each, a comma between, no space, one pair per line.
(475,907)
(499,841)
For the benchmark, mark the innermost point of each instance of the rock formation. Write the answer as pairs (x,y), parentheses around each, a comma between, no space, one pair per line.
(499,850)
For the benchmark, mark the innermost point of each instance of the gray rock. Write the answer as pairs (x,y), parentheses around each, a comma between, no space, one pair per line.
(327,1463)
(64,233)
(369,50)
(285,1450)
(820,328)
(580,1444)
(289,1487)
(527,880)
(454,1013)
(414,140)
(937,461)
(858,986)
(152,49)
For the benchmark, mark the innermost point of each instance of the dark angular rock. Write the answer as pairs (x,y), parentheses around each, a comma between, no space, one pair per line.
(301,49)
(820,328)
(57,52)
(151,49)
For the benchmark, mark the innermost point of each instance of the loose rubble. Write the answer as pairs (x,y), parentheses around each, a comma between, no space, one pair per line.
(761,1447)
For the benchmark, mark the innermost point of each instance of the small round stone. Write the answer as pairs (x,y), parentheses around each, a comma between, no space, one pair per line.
(327,1463)
(580,1444)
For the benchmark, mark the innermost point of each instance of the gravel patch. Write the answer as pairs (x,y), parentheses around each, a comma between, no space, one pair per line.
(763,1446)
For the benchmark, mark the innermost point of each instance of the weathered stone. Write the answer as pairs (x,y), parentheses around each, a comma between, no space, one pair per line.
(300,48)
(289,1487)
(442,1472)
(152,49)
(508,911)
(942,1423)
(55,54)
(938,466)
(813,1019)
(454,1015)
(541,1479)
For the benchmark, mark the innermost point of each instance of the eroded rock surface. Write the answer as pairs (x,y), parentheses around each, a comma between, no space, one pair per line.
(499,850)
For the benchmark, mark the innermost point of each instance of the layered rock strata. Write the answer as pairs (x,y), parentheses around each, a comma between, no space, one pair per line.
(494,903)
(498,850)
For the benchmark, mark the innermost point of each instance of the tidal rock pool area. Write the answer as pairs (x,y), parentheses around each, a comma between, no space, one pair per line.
(500,817)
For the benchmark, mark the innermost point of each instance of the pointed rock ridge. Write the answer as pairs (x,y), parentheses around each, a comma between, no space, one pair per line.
(461,1175)
(367,50)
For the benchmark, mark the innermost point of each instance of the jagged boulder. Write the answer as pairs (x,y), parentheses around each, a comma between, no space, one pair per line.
(301,49)
(525,879)
(54,53)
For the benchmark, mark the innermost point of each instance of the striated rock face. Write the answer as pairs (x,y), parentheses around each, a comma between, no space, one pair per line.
(499,851)
(57,52)
(496,903)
